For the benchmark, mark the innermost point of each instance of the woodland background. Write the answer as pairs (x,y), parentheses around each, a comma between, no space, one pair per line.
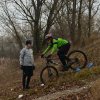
(76,20)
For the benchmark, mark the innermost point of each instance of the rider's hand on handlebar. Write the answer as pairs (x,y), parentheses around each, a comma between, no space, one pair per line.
(49,56)
(42,56)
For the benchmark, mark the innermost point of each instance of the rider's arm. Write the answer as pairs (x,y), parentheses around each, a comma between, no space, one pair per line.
(47,50)
(54,49)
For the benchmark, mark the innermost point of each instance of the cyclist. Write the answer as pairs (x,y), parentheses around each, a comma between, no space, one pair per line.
(61,46)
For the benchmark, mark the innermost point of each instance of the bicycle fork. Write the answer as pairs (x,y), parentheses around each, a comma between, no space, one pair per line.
(49,72)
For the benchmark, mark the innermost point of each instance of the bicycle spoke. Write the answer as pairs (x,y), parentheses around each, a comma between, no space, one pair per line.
(49,74)
(78,59)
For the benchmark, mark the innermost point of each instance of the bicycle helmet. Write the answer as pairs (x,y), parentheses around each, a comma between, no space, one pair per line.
(48,36)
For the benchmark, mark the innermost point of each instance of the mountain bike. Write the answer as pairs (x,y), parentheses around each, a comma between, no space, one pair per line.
(76,60)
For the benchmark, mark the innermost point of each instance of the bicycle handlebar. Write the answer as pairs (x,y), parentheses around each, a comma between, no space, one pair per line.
(49,60)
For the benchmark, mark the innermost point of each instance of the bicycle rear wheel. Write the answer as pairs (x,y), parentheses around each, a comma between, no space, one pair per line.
(48,74)
(78,58)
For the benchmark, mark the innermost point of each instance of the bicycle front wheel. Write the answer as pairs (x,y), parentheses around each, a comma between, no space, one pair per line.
(48,74)
(79,58)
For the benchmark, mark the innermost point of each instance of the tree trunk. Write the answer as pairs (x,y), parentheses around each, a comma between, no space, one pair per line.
(90,17)
(36,38)
(73,22)
(68,15)
(50,17)
(19,42)
(36,33)
(79,22)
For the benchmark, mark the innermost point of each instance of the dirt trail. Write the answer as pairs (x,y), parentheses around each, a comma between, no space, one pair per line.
(57,95)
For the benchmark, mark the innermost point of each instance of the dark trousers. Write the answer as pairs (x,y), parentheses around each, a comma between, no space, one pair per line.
(62,52)
(26,81)
(27,74)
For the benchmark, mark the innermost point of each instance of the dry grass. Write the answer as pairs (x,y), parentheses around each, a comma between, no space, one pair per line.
(8,69)
(11,80)
(95,90)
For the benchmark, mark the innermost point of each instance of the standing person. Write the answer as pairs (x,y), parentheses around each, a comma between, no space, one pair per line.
(27,64)
(59,45)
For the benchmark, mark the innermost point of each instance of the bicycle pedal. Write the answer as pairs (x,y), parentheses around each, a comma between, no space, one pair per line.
(50,74)
(90,65)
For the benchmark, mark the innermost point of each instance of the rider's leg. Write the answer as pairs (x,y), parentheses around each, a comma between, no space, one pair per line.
(62,59)
(62,54)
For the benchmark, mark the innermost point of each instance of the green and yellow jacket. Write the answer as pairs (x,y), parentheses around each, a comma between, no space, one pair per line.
(55,45)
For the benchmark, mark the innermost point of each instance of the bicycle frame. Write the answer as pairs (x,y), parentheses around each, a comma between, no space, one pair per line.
(49,61)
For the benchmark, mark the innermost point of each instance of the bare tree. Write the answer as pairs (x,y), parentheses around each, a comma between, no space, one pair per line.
(9,22)
(33,14)
(34,18)
(90,6)
(79,21)
(73,21)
